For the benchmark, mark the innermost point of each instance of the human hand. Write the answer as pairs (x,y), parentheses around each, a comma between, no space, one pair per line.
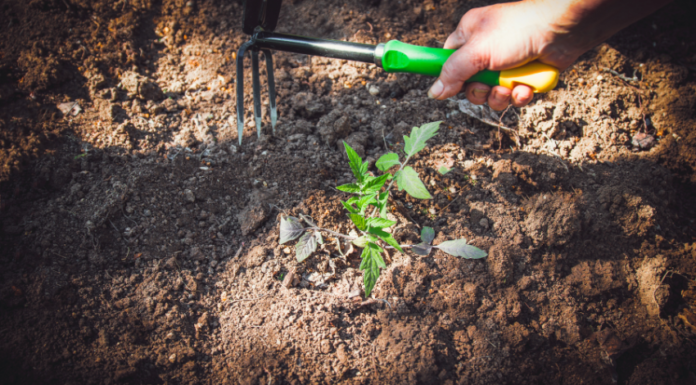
(505,36)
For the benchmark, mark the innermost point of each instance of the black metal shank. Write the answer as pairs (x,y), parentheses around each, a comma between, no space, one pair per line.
(318,47)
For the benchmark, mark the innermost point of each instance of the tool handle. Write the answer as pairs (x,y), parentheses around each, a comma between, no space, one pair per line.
(403,57)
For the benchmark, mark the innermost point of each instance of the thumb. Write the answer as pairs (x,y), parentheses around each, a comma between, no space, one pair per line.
(462,65)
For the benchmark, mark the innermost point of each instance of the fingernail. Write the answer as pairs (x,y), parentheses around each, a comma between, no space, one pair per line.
(436,89)
(501,98)
(479,93)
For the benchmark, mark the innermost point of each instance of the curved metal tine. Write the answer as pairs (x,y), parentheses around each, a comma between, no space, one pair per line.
(256,88)
(271,88)
(240,88)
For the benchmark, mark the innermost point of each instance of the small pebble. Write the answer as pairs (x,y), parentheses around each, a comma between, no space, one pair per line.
(642,141)
(484,223)
(188,196)
(286,250)
(600,78)
(374,90)
(172,358)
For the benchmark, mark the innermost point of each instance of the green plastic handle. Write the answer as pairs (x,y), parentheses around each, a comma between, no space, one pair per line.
(401,57)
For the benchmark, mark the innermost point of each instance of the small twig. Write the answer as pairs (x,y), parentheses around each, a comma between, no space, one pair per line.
(58,254)
(247,299)
(623,77)
(239,251)
(500,120)
(453,200)
(658,286)
(385,301)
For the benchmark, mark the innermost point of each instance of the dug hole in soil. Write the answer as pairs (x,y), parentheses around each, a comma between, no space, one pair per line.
(140,240)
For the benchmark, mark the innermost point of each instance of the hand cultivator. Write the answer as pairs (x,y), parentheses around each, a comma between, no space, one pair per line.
(261,18)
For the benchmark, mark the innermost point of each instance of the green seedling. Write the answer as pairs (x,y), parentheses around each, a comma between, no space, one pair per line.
(444,170)
(371,236)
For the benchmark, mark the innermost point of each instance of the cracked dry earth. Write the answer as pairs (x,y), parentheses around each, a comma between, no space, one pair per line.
(140,240)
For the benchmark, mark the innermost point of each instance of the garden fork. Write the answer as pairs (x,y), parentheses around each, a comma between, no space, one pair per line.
(261,18)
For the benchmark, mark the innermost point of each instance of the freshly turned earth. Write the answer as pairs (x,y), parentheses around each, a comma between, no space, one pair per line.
(140,240)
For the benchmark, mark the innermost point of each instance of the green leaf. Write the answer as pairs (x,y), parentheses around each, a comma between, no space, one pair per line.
(363,167)
(382,204)
(387,161)
(352,200)
(371,263)
(459,248)
(380,223)
(408,180)
(355,163)
(305,246)
(443,170)
(375,184)
(359,221)
(419,136)
(349,188)
(427,234)
(320,239)
(386,237)
(350,208)
(290,228)
(364,201)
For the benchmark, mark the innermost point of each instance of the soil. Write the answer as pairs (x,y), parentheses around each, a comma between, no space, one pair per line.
(140,240)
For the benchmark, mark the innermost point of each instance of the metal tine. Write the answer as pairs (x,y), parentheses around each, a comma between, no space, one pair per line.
(256,88)
(240,89)
(271,88)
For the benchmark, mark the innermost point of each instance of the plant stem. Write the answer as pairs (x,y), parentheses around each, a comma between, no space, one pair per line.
(348,237)
(402,246)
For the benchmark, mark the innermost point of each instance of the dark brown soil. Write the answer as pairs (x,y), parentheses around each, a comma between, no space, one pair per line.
(140,241)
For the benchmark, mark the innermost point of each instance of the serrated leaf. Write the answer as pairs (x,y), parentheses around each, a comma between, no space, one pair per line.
(408,180)
(370,265)
(349,188)
(422,249)
(305,246)
(350,208)
(290,228)
(360,242)
(355,163)
(363,167)
(419,135)
(320,239)
(386,237)
(443,170)
(359,221)
(387,161)
(382,204)
(459,248)
(427,234)
(375,184)
(364,202)
(380,223)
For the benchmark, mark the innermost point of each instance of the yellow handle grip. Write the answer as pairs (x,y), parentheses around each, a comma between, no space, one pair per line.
(539,76)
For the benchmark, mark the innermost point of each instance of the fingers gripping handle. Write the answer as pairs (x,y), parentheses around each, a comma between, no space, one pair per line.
(401,57)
